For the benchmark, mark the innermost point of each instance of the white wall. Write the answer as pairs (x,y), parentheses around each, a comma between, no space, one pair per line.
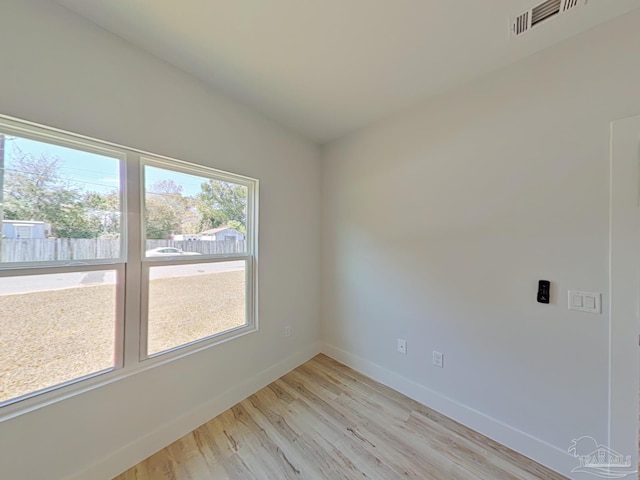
(439,222)
(60,70)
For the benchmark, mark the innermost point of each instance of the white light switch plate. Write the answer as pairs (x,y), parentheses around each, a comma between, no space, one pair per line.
(585,301)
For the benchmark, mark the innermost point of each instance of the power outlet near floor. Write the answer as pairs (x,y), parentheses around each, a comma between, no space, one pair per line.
(438,359)
(287,331)
(402,346)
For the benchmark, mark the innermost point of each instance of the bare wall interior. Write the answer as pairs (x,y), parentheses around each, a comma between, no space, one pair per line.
(439,222)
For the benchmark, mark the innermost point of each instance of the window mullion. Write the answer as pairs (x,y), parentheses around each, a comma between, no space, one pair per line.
(132,187)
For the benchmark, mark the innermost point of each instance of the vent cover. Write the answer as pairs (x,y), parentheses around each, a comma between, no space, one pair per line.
(521,24)
(544,11)
(540,13)
(567,4)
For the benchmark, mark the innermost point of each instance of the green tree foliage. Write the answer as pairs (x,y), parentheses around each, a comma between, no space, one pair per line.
(103,211)
(222,204)
(34,190)
(191,217)
(165,209)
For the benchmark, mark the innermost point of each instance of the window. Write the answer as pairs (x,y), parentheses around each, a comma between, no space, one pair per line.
(23,231)
(194,288)
(109,260)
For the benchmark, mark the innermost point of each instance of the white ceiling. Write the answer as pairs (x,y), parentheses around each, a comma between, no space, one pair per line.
(326,67)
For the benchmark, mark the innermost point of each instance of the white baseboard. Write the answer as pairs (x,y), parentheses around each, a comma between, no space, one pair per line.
(538,450)
(146,445)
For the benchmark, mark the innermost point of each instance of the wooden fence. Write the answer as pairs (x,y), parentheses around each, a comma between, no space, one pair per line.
(206,247)
(51,249)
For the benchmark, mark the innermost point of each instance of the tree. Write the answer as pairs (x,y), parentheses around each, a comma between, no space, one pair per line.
(34,190)
(191,217)
(222,204)
(165,209)
(103,211)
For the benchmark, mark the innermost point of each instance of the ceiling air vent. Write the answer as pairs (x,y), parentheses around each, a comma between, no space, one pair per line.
(521,24)
(545,11)
(567,4)
(540,13)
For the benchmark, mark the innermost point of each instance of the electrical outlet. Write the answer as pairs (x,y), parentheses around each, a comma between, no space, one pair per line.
(287,331)
(402,346)
(438,359)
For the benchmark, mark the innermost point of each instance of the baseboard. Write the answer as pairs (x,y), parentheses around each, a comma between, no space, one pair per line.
(521,442)
(151,442)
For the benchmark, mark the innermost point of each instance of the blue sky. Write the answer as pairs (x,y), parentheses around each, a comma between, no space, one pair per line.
(86,171)
(190,183)
(89,171)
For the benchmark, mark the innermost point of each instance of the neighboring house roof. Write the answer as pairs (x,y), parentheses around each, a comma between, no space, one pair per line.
(26,222)
(213,231)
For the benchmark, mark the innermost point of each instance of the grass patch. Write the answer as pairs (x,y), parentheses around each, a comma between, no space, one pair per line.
(51,337)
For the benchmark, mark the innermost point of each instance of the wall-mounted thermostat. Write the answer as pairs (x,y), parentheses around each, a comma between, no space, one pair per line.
(544,291)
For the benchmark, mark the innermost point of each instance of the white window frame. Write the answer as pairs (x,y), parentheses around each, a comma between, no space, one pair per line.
(248,256)
(131,267)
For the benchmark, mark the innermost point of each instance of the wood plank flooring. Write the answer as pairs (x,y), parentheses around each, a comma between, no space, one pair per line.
(324,420)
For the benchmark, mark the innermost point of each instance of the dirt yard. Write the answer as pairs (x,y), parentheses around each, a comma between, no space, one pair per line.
(51,337)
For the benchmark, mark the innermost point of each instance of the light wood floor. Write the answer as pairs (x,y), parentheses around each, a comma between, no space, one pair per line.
(323,420)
